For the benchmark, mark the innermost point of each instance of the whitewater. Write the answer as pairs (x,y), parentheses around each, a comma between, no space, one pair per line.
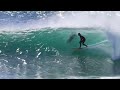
(33,44)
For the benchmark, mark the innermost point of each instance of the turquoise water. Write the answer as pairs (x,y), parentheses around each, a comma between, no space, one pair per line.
(45,53)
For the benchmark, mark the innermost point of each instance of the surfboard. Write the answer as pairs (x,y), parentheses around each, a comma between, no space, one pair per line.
(78,48)
(91,46)
(88,46)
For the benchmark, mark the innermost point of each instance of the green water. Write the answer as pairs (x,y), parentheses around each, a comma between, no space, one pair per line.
(45,53)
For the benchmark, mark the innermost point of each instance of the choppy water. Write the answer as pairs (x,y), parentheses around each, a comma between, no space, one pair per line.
(33,44)
(45,53)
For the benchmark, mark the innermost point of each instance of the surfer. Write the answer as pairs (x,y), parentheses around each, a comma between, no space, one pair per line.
(82,40)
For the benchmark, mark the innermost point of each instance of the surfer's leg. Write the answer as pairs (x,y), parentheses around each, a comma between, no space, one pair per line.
(84,44)
(80,44)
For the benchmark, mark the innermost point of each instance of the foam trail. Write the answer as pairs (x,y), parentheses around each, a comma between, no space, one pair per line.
(98,43)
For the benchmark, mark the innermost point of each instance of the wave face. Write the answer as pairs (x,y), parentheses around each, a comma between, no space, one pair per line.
(45,53)
(34,44)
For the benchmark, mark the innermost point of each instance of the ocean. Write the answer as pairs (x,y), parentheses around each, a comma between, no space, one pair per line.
(44,53)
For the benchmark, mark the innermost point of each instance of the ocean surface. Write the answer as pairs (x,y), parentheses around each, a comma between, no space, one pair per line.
(44,53)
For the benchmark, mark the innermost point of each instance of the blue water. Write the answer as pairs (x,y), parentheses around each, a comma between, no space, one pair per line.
(33,46)
(45,53)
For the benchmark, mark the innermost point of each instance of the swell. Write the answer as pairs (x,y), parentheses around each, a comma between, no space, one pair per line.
(49,42)
(48,49)
(47,39)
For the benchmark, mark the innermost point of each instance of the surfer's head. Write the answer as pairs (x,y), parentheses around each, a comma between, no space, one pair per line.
(79,34)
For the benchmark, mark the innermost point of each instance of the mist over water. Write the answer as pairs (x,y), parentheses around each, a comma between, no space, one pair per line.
(33,44)
(33,20)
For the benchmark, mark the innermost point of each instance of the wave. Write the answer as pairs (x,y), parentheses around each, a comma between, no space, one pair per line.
(48,50)
(46,40)
(37,47)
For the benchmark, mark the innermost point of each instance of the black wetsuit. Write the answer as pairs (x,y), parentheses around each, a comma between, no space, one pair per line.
(82,40)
